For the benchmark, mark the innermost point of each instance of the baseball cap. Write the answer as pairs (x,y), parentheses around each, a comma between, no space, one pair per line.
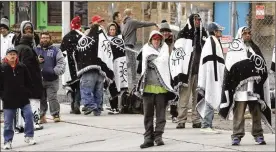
(12,49)
(157,36)
(214,27)
(96,18)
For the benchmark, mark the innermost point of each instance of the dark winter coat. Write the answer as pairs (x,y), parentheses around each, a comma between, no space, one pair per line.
(15,85)
(28,56)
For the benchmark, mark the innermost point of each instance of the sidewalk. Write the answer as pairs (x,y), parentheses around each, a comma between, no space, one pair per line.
(125,133)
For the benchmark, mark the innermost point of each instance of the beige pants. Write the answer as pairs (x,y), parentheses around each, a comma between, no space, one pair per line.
(238,120)
(184,95)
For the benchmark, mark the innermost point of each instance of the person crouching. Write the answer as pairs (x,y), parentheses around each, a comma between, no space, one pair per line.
(15,82)
(154,87)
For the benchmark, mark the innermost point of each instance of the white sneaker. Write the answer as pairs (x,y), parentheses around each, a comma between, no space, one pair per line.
(209,130)
(174,120)
(38,127)
(7,145)
(30,140)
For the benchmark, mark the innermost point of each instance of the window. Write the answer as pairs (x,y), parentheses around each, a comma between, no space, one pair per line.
(154,5)
(54,13)
(23,11)
(80,9)
(164,5)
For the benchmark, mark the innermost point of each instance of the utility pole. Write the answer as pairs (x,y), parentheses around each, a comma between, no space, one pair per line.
(65,17)
(233,18)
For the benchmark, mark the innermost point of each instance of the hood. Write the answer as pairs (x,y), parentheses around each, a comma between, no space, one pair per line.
(108,27)
(23,25)
(153,33)
(240,32)
(190,21)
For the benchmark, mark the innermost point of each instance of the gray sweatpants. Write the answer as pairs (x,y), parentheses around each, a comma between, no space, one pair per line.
(151,103)
(50,93)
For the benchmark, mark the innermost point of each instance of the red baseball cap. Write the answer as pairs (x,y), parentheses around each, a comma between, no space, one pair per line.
(157,36)
(96,18)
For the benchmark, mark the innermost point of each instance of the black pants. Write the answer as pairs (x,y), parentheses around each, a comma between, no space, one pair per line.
(157,103)
(173,111)
(75,104)
(114,96)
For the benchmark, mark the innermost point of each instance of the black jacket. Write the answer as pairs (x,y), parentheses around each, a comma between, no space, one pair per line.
(15,86)
(28,57)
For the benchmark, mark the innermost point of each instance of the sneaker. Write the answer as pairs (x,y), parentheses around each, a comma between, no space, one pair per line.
(174,120)
(38,127)
(236,141)
(247,116)
(88,111)
(260,140)
(197,125)
(42,120)
(97,113)
(7,145)
(117,111)
(75,111)
(209,130)
(111,111)
(30,140)
(56,118)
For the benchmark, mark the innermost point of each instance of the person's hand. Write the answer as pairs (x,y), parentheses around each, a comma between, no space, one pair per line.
(157,27)
(40,60)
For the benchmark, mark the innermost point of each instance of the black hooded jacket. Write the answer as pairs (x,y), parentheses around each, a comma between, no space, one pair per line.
(28,56)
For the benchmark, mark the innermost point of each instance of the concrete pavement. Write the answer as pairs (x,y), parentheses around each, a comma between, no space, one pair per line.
(125,133)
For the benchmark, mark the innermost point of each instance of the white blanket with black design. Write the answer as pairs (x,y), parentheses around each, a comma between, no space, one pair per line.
(180,60)
(161,64)
(210,76)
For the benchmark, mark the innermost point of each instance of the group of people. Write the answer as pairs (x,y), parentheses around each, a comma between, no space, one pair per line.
(170,69)
(30,70)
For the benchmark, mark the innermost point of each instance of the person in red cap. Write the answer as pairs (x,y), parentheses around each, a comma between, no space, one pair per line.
(155,87)
(95,20)
(69,79)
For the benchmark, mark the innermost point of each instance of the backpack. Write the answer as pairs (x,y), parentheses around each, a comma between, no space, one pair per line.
(131,104)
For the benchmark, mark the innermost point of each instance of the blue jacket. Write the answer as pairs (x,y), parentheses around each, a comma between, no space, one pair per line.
(54,64)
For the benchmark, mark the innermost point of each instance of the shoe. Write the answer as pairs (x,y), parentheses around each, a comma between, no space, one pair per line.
(197,125)
(16,130)
(84,108)
(159,142)
(260,140)
(209,130)
(174,120)
(38,127)
(146,145)
(42,120)
(76,111)
(88,111)
(7,145)
(19,130)
(30,140)
(117,111)
(180,126)
(236,141)
(56,118)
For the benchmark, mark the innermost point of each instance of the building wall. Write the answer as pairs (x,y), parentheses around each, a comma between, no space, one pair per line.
(144,12)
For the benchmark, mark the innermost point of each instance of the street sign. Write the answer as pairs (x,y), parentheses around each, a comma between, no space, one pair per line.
(225,40)
(260,12)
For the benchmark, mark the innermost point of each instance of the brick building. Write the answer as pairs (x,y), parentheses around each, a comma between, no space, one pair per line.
(151,11)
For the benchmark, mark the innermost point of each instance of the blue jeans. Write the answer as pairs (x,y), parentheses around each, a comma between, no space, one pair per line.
(91,89)
(209,116)
(9,115)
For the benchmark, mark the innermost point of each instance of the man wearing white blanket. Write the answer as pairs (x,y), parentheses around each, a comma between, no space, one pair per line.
(245,83)
(210,77)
